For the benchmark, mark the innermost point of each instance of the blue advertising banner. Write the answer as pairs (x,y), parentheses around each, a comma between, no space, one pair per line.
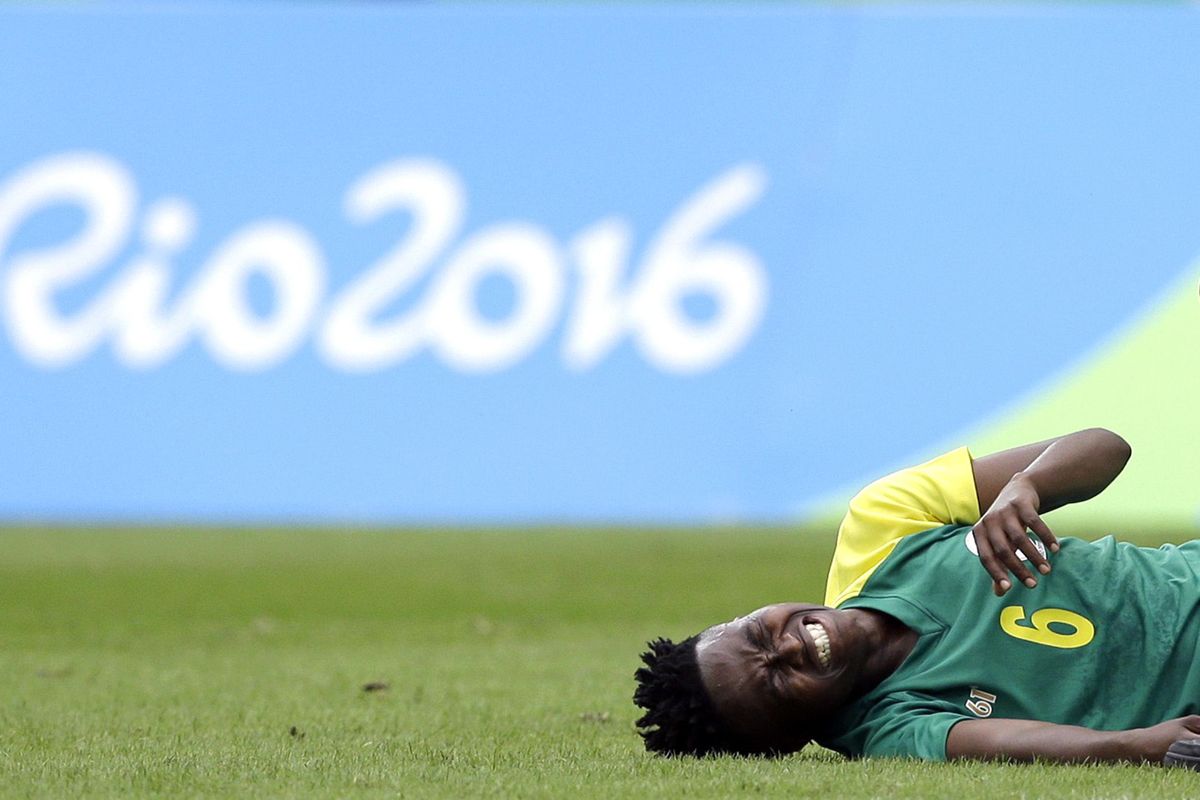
(392,263)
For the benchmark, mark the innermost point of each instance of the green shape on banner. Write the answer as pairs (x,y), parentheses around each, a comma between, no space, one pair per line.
(1143,383)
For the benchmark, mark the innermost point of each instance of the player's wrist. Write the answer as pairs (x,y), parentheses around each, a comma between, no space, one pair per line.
(1026,483)
(1137,744)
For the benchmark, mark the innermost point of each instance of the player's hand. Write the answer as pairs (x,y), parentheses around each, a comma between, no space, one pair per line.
(1003,530)
(1150,744)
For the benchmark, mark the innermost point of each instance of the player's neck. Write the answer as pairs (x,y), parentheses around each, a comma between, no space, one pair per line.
(886,642)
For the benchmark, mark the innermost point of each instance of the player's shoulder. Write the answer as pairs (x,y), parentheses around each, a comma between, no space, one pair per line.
(941,489)
(937,492)
(905,724)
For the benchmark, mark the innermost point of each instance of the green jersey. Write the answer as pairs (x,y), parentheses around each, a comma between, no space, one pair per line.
(1108,640)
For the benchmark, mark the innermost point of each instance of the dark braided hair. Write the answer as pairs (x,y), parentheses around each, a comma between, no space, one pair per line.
(680,718)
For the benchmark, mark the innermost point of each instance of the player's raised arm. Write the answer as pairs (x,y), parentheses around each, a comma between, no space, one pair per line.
(1016,486)
(1025,740)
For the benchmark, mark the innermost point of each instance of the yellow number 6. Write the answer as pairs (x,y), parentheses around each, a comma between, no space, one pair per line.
(1040,633)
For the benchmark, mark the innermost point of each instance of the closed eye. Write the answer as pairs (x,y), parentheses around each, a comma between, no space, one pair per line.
(758,636)
(777,678)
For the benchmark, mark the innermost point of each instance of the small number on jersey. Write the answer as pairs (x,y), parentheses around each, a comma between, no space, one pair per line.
(981,702)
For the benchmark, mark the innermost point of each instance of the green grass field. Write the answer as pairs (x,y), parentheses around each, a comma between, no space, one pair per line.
(232,663)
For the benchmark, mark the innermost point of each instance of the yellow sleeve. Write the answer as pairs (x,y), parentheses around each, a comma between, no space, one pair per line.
(938,492)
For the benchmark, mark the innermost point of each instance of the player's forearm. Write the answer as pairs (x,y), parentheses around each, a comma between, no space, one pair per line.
(1025,740)
(1076,467)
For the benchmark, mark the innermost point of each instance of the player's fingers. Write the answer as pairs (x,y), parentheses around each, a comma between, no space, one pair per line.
(1000,581)
(1043,532)
(1029,546)
(988,560)
(1009,537)
(1006,552)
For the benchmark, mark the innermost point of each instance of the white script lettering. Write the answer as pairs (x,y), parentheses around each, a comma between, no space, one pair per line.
(588,280)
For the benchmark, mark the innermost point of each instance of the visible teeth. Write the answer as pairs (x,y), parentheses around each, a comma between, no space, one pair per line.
(821,638)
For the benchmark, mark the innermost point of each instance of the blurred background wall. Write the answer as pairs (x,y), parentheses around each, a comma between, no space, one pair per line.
(389,263)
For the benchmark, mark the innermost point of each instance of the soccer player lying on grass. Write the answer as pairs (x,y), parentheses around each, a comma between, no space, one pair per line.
(1064,651)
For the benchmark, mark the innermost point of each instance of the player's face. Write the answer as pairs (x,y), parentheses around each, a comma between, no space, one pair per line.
(776,674)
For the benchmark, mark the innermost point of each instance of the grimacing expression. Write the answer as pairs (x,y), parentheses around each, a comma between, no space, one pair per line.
(776,674)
